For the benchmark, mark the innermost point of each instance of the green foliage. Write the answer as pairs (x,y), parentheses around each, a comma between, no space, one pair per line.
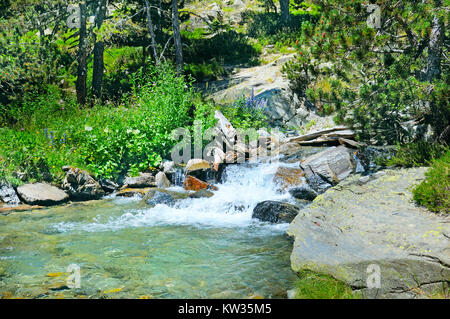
(108,141)
(269,29)
(376,77)
(205,71)
(245,113)
(317,286)
(223,47)
(434,191)
(416,154)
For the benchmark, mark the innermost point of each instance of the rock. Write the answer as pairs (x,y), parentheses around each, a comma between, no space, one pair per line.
(161,180)
(303,192)
(21,176)
(328,167)
(41,194)
(8,194)
(81,186)
(141,181)
(108,185)
(353,226)
(131,192)
(19,208)
(275,212)
(194,184)
(169,167)
(160,198)
(199,168)
(202,194)
(157,196)
(287,177)
(368,155)
(174,172)
(338,131)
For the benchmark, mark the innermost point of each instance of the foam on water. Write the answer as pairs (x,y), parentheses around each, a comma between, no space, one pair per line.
(231,206)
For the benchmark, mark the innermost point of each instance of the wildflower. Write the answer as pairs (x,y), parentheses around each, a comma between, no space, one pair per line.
(88,128)
(129,131)
(21,129)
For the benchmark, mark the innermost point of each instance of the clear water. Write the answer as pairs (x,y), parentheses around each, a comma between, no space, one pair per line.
(201,248)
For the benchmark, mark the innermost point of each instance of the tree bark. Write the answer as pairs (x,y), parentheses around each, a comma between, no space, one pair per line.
(433,69)
(177,38)
(99,48)
(152,32)
(80,85)
(284,8)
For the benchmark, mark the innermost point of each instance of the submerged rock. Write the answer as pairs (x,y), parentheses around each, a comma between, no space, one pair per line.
(8,195)
(360,227)
(202,194)
(303,192)
(81,186)
(42,194)
(131,192)
(157,196)
(275,212)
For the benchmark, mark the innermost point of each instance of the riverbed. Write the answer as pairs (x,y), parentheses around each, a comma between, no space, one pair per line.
(200,248)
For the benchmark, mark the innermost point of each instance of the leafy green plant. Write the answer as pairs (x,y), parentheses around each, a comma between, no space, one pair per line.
(246,113)
(434,191)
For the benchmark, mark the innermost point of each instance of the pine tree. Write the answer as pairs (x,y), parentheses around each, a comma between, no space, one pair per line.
(379,65)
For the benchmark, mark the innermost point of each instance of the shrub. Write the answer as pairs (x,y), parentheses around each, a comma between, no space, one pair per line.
(415,154)
(434,191)
(108,141)
(246,113)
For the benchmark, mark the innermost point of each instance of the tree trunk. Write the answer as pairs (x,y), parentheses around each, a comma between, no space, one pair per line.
(433,69)
(284,8)
(99,48)
(152,32)
(80,85)
(177,38)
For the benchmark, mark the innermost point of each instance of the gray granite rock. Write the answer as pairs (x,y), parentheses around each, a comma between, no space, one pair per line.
(354,225)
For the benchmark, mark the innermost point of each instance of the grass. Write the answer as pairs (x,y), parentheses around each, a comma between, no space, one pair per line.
(312,285)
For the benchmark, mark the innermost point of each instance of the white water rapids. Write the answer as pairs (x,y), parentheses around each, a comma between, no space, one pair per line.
(231,206)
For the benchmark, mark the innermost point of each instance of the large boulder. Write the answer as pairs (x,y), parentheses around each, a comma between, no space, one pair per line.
(8,194)
(42,194)
(328,168)
(275,212)
(367,226)
(141,181)
(81,186)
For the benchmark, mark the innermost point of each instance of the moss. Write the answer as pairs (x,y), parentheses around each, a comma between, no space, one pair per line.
(313,285)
